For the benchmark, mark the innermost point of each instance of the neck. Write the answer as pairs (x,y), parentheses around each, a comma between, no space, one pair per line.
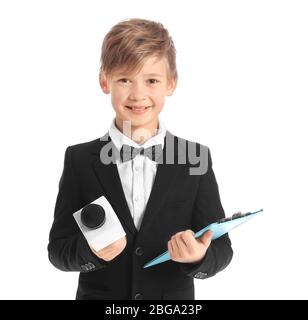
(139,134)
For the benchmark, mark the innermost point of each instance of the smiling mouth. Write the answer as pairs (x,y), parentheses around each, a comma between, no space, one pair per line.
(138,110)
(137,107)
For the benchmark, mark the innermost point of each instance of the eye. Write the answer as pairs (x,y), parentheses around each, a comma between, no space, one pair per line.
(123,80)
(153,81)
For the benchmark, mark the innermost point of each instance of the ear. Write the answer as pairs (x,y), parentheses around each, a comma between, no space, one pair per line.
(103,82)
(171,86)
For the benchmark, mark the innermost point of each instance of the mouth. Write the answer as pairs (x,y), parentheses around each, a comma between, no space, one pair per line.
(138,109)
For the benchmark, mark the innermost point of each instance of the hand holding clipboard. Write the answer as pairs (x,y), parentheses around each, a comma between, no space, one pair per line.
(218,229)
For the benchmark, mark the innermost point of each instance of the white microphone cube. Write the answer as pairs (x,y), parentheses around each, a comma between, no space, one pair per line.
(108,233)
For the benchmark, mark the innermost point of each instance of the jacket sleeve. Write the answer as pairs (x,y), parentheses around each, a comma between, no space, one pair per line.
(208,209)
(68,250)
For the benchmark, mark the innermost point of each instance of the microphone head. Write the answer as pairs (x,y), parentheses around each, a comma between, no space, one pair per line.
(93,216)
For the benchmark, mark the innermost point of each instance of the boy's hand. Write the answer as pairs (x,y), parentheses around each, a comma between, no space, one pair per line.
(184,247)
(114,249)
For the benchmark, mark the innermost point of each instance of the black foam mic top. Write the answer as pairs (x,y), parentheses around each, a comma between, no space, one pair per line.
(93,216)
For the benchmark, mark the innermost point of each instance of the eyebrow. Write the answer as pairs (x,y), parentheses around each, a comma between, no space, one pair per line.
(154,75)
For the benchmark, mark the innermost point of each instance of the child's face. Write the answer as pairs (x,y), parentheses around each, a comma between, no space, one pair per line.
(139,97)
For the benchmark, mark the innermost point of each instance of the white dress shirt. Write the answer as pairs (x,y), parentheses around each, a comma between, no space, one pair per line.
(137,175)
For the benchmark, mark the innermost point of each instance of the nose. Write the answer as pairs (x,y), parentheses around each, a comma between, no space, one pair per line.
(137,92)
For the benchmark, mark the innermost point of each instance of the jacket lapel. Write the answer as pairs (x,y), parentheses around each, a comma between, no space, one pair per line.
(109,179)
(164,180)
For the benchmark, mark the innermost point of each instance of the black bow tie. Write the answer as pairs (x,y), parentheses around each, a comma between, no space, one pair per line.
(128,152)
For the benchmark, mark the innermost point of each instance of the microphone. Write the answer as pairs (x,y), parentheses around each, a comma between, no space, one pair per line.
(93,216)
(99,223)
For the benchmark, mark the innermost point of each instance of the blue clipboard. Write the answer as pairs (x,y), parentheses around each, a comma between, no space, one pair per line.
(218,228)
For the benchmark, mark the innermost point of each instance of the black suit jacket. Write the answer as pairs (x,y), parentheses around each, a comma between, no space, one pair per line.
(178,201)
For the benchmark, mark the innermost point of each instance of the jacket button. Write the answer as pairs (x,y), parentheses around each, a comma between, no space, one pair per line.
(139,251)
(84,267)
(138,296)
(91,266)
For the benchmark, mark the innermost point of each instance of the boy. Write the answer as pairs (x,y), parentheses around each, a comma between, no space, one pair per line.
(159,200)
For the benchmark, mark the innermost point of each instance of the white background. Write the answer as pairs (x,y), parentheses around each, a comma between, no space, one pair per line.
(243,80)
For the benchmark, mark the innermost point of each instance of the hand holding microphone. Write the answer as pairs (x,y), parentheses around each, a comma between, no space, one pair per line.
(111,251)
(93,216)
(102,229)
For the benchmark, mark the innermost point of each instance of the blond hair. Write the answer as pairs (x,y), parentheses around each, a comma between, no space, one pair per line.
(130,42)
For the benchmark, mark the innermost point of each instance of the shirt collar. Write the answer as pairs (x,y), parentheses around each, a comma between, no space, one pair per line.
(118,138)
